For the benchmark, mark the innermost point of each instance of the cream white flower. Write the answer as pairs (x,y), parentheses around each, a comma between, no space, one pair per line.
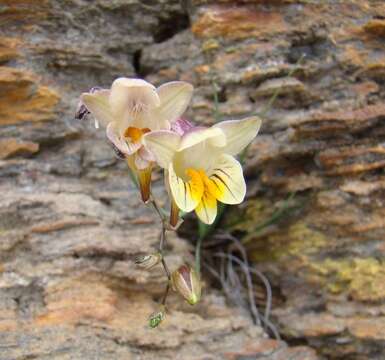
(200,164)
(132,108)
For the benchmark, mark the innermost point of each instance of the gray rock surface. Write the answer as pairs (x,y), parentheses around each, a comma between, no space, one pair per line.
(71,223)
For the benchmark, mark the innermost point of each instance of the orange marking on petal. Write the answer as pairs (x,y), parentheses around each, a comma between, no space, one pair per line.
(135,134)
(195,186)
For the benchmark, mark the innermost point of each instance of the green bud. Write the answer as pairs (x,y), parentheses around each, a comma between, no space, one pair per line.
(157,317)
(148,261)
(186,281)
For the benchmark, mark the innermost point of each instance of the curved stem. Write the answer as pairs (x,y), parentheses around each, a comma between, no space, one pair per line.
(198,247)
(161,245)
(162,241)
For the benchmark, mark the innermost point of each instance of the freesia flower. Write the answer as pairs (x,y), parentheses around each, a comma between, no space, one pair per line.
(200,164)
(132,108)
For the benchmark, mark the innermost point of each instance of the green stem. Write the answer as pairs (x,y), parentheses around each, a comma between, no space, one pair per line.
(216,101)
(198,247)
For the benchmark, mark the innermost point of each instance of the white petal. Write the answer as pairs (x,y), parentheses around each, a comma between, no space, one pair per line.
(97,103)
(124,146)
(239,133)
(214,136)
(145,154)
(132,97)
(150,120)
(227,176)
(207,209)
(140,162)
(174,98)
(163,145)
(187,195)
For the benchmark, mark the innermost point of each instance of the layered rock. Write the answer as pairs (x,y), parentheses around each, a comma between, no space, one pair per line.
(70,222)
(313,221)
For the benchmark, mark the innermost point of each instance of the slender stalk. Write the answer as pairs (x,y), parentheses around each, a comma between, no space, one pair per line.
(162,241)
(166,293)
(198,247)
(161,246)
(157,209)
(216,101)
(163,219)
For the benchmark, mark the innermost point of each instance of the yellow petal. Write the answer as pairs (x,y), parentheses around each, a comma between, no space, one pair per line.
(226,181)
(186,194)
(239,133)
(207,208)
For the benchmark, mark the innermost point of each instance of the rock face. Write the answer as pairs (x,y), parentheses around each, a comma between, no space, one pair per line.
(70,222)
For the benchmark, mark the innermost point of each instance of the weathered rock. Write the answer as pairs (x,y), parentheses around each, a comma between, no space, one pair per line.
(70,223)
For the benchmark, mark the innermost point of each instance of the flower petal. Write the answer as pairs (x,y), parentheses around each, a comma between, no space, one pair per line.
(132,100)
(163,145)
(145,154)
(124,146)
(143,176)
(126,92)
(239,133)
(207,208)
(186,195)
(140,162)
(174,99)
(97,104)
(214,136)
(181,126)
(174,214)
(227,178)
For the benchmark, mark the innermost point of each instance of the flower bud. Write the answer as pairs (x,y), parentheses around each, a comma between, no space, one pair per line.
(186,281)
(157,317)
(148,261)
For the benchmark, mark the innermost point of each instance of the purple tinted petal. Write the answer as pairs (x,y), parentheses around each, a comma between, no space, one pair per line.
(181,126)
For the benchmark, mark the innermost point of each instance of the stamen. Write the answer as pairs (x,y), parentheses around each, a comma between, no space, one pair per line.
(136,106)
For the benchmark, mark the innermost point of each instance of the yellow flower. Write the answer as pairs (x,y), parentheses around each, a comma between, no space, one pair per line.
(200,164)
(132,108)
